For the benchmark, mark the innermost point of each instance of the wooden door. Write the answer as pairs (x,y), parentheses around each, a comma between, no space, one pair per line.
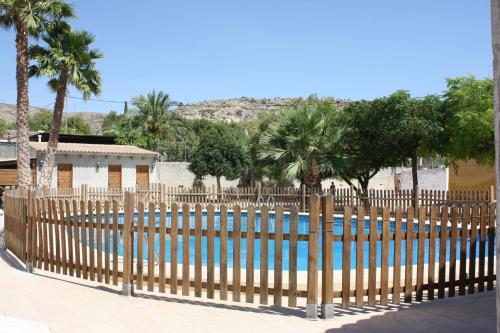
(114,176)
(65,175)
(142,176)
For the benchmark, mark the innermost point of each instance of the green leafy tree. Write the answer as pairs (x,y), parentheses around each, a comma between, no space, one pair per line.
(29,18)
(110,124)
(468,104)
(366,145)
(41,121)
(75,125)
(219,154)
(3,126)
(67,59)
(418,129)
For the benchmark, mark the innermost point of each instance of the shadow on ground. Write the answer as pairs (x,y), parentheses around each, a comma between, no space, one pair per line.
(470,313)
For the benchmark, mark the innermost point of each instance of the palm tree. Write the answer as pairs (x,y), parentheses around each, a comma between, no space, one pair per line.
(67,59)
(294,146)
(495,27)
(151,115)
(28,18)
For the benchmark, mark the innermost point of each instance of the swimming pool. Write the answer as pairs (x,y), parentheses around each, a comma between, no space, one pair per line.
(302,250)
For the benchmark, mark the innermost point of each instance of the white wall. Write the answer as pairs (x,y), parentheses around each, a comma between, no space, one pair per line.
(85,171)
(177,174)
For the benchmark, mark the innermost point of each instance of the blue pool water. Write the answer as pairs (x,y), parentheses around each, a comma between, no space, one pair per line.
(303,228)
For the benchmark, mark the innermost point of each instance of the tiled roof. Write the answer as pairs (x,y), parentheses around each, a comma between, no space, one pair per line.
(86,148)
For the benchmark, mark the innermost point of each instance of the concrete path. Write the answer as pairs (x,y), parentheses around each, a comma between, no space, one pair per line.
(73,305)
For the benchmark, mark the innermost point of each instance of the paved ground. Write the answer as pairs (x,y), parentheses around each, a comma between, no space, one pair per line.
(73,305)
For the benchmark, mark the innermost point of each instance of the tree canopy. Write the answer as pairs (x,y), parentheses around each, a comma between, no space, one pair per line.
(468,104)
(42,121)
(220,153)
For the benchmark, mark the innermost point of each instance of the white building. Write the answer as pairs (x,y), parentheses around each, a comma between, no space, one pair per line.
(98,165)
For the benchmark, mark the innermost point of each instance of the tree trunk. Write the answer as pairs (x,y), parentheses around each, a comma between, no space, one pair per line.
(495,27)
(364,193)
(313,179)
(50,156)
(23,150)
(219,190)
(414,175)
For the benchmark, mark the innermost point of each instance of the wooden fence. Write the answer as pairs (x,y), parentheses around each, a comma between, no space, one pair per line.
(53,235)
(286,197)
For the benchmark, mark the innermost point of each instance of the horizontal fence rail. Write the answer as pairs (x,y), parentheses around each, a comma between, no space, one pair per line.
(286,197)
(363,257)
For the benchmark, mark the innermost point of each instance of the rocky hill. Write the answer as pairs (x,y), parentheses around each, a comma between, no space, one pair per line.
(94,119)
(237,109)
(228,110)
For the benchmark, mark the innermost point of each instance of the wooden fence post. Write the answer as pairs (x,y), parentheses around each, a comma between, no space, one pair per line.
(312,263)
(327,308)
(127,286)
(492,194)
(29,249)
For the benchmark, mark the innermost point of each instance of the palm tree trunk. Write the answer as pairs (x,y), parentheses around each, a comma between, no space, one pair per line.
(50,156)
(23,150)
(495,28)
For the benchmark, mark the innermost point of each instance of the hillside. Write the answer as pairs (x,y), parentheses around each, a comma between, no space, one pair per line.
(236,109)
(229,110)
(94,119)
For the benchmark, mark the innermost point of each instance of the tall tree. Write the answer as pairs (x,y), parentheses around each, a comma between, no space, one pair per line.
(68,60)
(151,115)
(367,143)
(28,18)
(418,129)
(219,154)
(495,27)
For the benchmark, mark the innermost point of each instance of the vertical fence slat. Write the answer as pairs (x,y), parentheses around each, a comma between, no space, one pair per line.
(410,221)
(346,257)
(250,254)
(463,250)
(98,221)
(174,241)
(472,248)
(236,253)
(431,266)
(107,268)
(372,263)
(398,236)
(278,256)
(91,251)
(210,251)
(162,238)
(185,249)
(198,251)
(292,261)
(83,223)
(50,226)
(327,256)
(140,245)
(360,244)
(70,234)
(453,251)
(384,272)
(420,253)
(56,223)
(312,255)
(223,252)
(264,252)
(151,246)
(62,237)
(115,242)
(491,247)
(482,247)
(443,236)
(76,232)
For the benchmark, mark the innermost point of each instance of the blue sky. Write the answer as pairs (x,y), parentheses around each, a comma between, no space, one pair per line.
(200,50)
